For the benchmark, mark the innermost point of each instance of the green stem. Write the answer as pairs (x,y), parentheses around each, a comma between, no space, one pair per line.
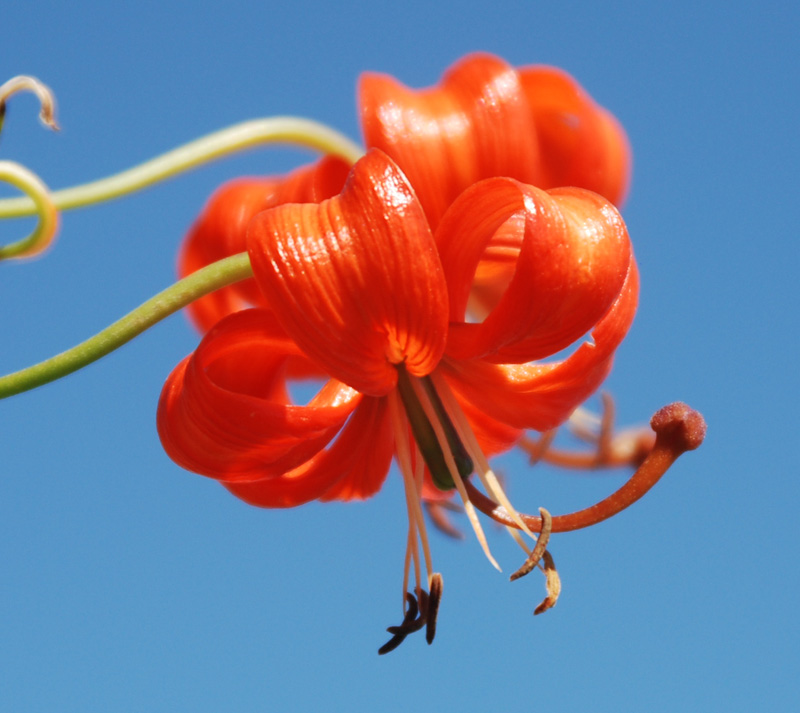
(175,297)
(248,134)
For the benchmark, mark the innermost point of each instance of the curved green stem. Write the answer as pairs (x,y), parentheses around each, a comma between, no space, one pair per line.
(47,224)
(239,137)
(208,279)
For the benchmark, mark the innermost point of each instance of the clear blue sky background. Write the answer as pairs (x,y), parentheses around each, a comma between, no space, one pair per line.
(127,584)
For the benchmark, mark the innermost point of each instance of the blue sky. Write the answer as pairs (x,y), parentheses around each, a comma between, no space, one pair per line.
(128,584)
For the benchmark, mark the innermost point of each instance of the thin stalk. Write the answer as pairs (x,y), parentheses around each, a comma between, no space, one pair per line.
(165,303)
(248,134)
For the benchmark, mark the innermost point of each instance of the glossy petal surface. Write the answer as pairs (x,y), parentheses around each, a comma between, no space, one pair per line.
(220,231)
(486,119)
(562,257)
(356,280)
(474,125)
(542,396)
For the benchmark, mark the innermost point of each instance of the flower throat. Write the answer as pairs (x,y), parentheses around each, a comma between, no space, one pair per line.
(424,433)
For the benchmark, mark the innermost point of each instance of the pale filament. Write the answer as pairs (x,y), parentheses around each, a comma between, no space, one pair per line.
(485,473)
(469,508)
(467,436)
(416,520)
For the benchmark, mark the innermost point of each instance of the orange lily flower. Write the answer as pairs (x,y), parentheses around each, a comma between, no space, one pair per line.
(359,285)
(485,119)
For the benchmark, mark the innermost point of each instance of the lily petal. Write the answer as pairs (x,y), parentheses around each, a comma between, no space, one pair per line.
(580,142)
(475,124)
(224,411)
(354,467)
(542,396)
(572,257)
(356,280)
(220,231)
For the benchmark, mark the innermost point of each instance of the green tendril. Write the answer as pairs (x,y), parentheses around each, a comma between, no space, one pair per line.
(205,280)
(46,212)
(249,134)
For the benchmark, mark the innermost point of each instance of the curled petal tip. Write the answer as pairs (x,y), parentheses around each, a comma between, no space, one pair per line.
(681,423)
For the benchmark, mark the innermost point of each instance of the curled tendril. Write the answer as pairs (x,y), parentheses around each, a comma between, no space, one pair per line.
(47,226)
(240,137)
(47,99)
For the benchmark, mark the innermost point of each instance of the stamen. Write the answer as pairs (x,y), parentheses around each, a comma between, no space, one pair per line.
(451,465)
(435,597)
(485,473)
(678,429)
(552,584)
(419,476)
(413,495)
(606,435)
(612,450)
(425,434)
(539,550)
(419,614)
(538,449)
(399,633)
(412,553)
(437,512)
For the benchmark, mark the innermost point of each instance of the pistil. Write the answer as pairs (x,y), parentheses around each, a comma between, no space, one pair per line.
(425,433)
(678,429)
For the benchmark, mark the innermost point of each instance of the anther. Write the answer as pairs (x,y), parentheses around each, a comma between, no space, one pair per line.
(420,613)
(433,606)
(552,584)
(539,550)
(678,429)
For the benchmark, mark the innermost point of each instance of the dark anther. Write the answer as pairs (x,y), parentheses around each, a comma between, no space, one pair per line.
(421,612)
(433,606)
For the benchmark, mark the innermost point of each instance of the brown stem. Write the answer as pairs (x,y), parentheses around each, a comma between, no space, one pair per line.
(678,429)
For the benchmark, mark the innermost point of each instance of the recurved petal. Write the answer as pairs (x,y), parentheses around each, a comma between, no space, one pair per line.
(556,261)
(356,280)
(542,396)
(581,143)
(220,231)
(224,411)
(475,124)
(353,467)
